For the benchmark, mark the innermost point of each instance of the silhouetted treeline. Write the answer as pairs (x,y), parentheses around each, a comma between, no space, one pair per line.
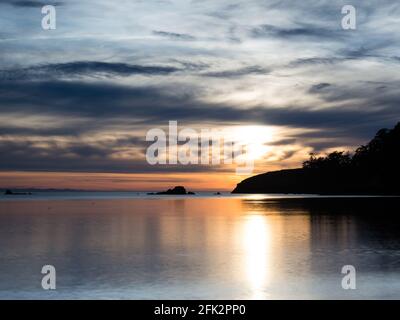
(333,161)
(372,169)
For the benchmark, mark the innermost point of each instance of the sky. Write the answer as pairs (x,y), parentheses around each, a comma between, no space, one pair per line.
(76,102)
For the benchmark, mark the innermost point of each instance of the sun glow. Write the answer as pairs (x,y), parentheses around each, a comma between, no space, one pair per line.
(256,139)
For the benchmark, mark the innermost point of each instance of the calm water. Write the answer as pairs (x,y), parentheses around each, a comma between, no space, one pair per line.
(200,247)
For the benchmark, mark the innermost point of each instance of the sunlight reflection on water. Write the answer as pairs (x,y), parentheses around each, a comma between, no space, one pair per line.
(257,242)
(228,248)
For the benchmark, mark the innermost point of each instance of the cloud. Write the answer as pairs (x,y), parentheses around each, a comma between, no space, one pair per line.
(282,142)
(318,87)
(317,61)
(81,156)
(107,104)
(174,36)
(287,155)
(252,70)
(97,110)
(83,68)
(343,55)
(301,31)
(31,3)
(73,99)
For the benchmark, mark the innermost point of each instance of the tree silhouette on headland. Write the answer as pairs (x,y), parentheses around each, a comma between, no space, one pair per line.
(374,168)
(334,160)
(382,152)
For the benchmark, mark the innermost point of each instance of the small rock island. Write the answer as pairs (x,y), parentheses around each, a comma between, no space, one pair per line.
(8,192)
(179,190)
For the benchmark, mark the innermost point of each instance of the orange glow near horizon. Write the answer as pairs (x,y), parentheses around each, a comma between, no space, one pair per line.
(263,150)
(120,181)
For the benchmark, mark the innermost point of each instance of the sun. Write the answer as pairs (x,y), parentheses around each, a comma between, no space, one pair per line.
(255,138)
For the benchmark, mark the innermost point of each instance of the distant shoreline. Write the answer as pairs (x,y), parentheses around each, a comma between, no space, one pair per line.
(142,196)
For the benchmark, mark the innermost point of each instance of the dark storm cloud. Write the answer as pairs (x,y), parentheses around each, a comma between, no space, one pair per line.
(175,36)
(252,70)
(82,68)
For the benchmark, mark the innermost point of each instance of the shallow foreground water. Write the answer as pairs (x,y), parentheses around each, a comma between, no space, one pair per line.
(200,248)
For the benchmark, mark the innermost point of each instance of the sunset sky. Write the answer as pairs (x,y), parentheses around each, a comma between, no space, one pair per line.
(76,102)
